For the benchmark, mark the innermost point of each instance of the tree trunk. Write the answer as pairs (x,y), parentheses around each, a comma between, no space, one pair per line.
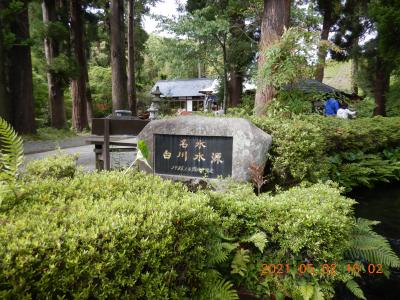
(5,104)
(89,99)
(226,99)
(118,65)
(131,58)
(354,74)
(322,51)
(381,86)
(235,88)
(55,88)
(354,66)
(276,18)
(78,85)
(20,75)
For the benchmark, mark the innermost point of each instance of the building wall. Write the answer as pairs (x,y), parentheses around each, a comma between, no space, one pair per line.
(189,105)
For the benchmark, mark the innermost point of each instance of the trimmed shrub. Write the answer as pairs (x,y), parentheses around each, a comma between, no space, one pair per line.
(302,225)
(136,236)
(57,167)
(351,152)
(310,226)
(104,235)
(298,150)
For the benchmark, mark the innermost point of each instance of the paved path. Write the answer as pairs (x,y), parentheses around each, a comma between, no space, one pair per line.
(86,155)
(43,146)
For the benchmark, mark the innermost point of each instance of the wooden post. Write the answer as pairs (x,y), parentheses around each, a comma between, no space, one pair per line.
(106,146)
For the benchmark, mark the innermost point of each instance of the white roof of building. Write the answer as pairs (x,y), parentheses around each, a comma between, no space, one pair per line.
(183,87)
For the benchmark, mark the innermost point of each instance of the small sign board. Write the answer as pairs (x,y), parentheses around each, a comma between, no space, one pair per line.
(193,156)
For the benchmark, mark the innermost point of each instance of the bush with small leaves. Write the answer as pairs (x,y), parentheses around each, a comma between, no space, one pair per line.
(310,225)
(57,166)
(105,235)
(350,152)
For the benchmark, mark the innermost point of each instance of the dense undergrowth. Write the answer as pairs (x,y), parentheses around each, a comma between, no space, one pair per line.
(64,233)
(358,152)
(136,236)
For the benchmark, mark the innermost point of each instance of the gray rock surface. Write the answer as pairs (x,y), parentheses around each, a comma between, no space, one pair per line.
(250,144)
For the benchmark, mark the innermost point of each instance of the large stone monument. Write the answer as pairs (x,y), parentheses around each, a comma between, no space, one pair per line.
(193,146)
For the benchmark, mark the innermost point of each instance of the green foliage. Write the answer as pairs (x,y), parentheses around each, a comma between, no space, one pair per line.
(136,236)
(298,150)
(351,152)
(355,289)
(217,288)
(142,155)
(11,152)
(40,92)
(365,107)
(170,58)
(58,166)
(245,108)
(51,134)
(293,101)
(240,261)
(312,224)
(356,168)
(290,59)
(287,60)
(142,147)
(105,235)
(366,244)
(100,78)
(64,67)
(393,97)
(11,158)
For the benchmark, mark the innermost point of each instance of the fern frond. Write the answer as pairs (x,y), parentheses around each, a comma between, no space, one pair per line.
(355,289)
(11,151)
(219,290)
(239,262)
(230,246)
(220,252)
(318,294)
(259,239)
(370,246)
(306,291)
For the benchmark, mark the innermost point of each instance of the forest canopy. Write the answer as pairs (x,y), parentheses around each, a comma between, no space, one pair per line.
(63,62)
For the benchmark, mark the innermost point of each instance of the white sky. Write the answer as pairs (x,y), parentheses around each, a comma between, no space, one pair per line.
(165,8)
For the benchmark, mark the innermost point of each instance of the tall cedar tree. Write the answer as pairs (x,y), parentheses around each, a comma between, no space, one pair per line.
(236,77)
(236,50)
(386,15)
(5,104)
(118,64)
(78,85)
(131,57)
(20,74)
(379,55)
(275,19)
(330,10)
(52,51)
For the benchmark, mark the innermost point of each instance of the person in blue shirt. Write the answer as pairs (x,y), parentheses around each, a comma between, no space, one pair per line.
(331,107)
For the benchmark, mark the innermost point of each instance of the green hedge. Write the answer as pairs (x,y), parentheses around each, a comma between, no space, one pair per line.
(57,166)
(136,236)
(110,235)
(304,224)
(352,152)
(104,235)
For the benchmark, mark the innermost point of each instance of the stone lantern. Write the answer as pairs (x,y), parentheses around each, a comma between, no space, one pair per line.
(155,103)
